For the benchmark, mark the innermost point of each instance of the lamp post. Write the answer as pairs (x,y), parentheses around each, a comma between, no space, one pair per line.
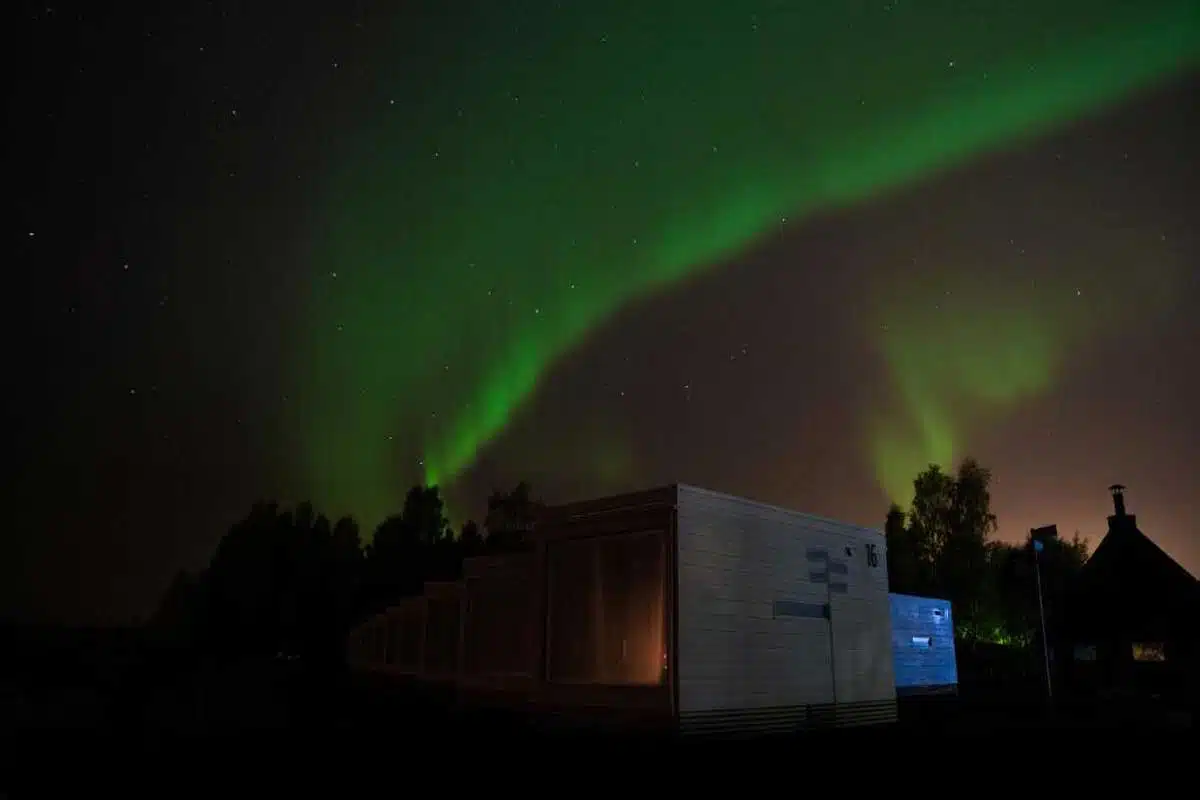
(1037,568)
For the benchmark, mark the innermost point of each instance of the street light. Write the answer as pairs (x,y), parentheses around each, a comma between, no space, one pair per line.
(1037,548)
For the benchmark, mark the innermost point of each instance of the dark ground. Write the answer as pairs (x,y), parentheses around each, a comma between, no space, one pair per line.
(105,691)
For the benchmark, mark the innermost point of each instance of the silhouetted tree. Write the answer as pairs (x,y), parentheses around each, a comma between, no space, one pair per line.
(291,582)
(962,567)
(908,571)
(348,564)
(1016,579)
(425,513)
(470,540)
(941,546)
(280,582)
(410,548)
(175,622)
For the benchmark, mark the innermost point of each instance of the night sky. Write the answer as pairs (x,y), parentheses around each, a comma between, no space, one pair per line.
(788,250)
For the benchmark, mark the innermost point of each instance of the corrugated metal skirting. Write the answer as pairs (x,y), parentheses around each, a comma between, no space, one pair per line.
(787,719)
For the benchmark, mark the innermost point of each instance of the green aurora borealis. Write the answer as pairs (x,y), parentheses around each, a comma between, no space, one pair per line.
(589,158)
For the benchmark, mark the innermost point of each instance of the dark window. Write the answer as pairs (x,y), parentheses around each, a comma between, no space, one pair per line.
(606,610)
(499,614)
(789,608)
(1149,651)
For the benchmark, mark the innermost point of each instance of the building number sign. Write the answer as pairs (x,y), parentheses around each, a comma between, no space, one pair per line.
(872,555)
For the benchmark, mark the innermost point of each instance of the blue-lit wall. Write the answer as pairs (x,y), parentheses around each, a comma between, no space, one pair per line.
(922,644)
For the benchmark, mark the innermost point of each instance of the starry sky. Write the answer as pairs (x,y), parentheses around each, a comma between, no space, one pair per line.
(788,250)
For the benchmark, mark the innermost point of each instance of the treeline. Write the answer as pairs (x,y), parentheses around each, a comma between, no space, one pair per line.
(290,583)
(944,547)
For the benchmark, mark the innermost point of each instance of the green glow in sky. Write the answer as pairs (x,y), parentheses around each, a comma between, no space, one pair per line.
(970,354)
(578,159)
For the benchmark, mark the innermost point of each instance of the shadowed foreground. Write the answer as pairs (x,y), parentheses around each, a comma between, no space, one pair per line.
(163,706)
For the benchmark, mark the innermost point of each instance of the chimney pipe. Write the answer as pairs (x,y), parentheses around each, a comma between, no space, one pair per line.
(1118,495)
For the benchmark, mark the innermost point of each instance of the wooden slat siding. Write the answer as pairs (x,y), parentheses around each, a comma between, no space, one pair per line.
(442,658)
(369,642)
(862,648)
(672,609)
(735,559)
(787,719)
(409,615)
(521,568)
(862,624)
(481,567)
(768,720)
